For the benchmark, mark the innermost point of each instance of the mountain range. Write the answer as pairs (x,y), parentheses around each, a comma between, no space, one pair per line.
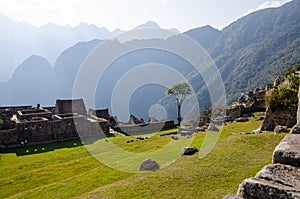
(249,53)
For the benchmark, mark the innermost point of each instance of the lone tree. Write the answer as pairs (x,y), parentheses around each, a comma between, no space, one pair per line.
(179,91)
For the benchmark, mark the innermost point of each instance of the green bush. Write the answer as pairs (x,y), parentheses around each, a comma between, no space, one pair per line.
(283,97)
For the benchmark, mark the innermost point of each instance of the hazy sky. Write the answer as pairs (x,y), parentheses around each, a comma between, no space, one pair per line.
(126,14)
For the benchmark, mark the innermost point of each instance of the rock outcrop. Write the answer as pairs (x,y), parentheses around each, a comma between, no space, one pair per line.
(288,151)
(281,179)
(273,181)
(272,119)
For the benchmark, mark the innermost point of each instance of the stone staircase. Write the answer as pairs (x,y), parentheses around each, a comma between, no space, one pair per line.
(281,179)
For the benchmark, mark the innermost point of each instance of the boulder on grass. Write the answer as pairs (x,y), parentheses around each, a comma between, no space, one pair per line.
(149,165)
(188,151)
(174,137)
(280,129)
(242,119)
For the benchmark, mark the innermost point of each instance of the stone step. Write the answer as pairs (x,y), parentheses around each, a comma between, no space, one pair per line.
(288,150)
(273,181)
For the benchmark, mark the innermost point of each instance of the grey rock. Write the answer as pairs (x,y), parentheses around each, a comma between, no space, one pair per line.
(184,131)
(188,136)
(288,150)
(175,137)
(280,129)
(298,110)
(296,129)
(200,129)
(212,127)
(242,119)
(149,165)
(273,181)
(188,151)
(231,196)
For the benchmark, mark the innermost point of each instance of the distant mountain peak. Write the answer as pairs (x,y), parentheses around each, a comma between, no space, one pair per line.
(148,24)
(205,35)
(35,61)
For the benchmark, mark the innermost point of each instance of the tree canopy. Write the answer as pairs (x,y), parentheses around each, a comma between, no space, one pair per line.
(180,91)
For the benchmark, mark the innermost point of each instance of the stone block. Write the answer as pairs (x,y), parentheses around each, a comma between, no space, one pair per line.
(273,181)
(288,150)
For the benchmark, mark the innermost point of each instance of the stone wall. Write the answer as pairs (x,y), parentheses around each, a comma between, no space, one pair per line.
(29,114)
(286,118)
(70,106)
(240,110)
(30,126)
(101,113)
(145,127)
(45,131)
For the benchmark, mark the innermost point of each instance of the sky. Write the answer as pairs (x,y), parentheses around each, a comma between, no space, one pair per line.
(127,14)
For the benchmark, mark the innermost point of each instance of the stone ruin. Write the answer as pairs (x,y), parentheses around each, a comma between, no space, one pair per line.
(138,126)
(28,125)
(281,117)
(134,125)
(254,101)
(281,179)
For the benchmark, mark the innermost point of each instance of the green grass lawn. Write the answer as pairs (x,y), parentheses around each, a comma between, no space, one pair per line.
(69,170)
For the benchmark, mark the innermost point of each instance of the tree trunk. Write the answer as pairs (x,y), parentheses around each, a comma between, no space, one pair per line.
(179,114)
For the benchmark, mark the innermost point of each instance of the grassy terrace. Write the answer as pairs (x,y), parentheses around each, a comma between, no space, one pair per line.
(68,170)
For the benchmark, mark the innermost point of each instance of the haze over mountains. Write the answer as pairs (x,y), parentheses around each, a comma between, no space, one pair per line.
(249,53)
(20,40)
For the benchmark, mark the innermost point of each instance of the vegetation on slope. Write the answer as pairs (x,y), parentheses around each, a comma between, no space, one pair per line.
(285,95)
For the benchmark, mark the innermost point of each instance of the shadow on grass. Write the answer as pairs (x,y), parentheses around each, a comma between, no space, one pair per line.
(42,148)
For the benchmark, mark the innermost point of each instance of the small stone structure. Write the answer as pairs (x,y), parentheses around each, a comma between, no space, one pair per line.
(134,125)
(35,125)
(70,106)
(248,103)
(146,127)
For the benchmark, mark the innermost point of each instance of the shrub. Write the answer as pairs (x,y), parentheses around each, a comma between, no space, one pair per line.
(283,97)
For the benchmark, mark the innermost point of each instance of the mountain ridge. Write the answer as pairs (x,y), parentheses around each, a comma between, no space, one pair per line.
(249,53)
